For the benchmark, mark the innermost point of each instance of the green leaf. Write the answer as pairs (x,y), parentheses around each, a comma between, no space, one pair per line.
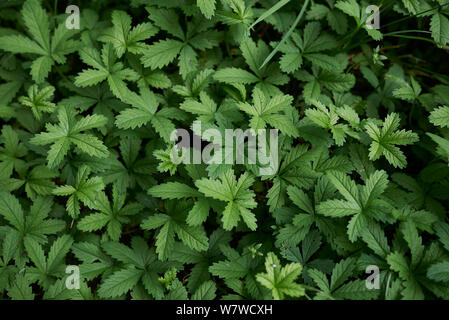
(68,132)
(205,292)
(441,142)
(341,272)
(161,53)
(173,190)
(119,283)
(236,194)
(399,264)
(280,280)
(376,240)
(268,111)
(192,236)
(207,7)
(439,271)
(51,51)
(440,117)
(20,44)
(123,37)
(385,139)
(442,231)
(235,75)
(21,289)
(58,251)
(11,210)
(439,26)
(84,189)
(36,20)
(167,20)
(350,7)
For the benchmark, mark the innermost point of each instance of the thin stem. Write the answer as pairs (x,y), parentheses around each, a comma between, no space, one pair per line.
(406,31)
(269,12)
(363,41)
(412,37)
(412,16)
(285,37)
(352,34)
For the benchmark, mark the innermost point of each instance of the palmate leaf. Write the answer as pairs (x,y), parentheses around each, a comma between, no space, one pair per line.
(205,109)
(110,216)
(164,51)
(281,279)
(340,286)
(361,202)
(412,5)
(237,195)
(11,210)
(167,20)
(308,47)
(409,92)
(140,267)
(105,67)
(170,225)
(175,190)
(266,78)
(376,240)
(328,117)
(69,131)
(11,153)
(52,50)
(35,226)
(229,269)
(240,265)
(269,111)
(50,264)
(335,18)
(353,9)
(385,140)
(37,100)
(94,260)
(84,189)
(334,80)
(21,44)
(145,110)
(124,38)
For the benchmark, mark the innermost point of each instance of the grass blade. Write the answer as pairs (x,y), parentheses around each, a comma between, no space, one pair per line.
(270,11)
(285,37)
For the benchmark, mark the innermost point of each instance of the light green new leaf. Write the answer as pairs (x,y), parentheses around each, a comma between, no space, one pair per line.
(281,279)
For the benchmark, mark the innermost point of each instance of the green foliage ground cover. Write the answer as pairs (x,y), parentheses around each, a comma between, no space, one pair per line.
(86,177)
